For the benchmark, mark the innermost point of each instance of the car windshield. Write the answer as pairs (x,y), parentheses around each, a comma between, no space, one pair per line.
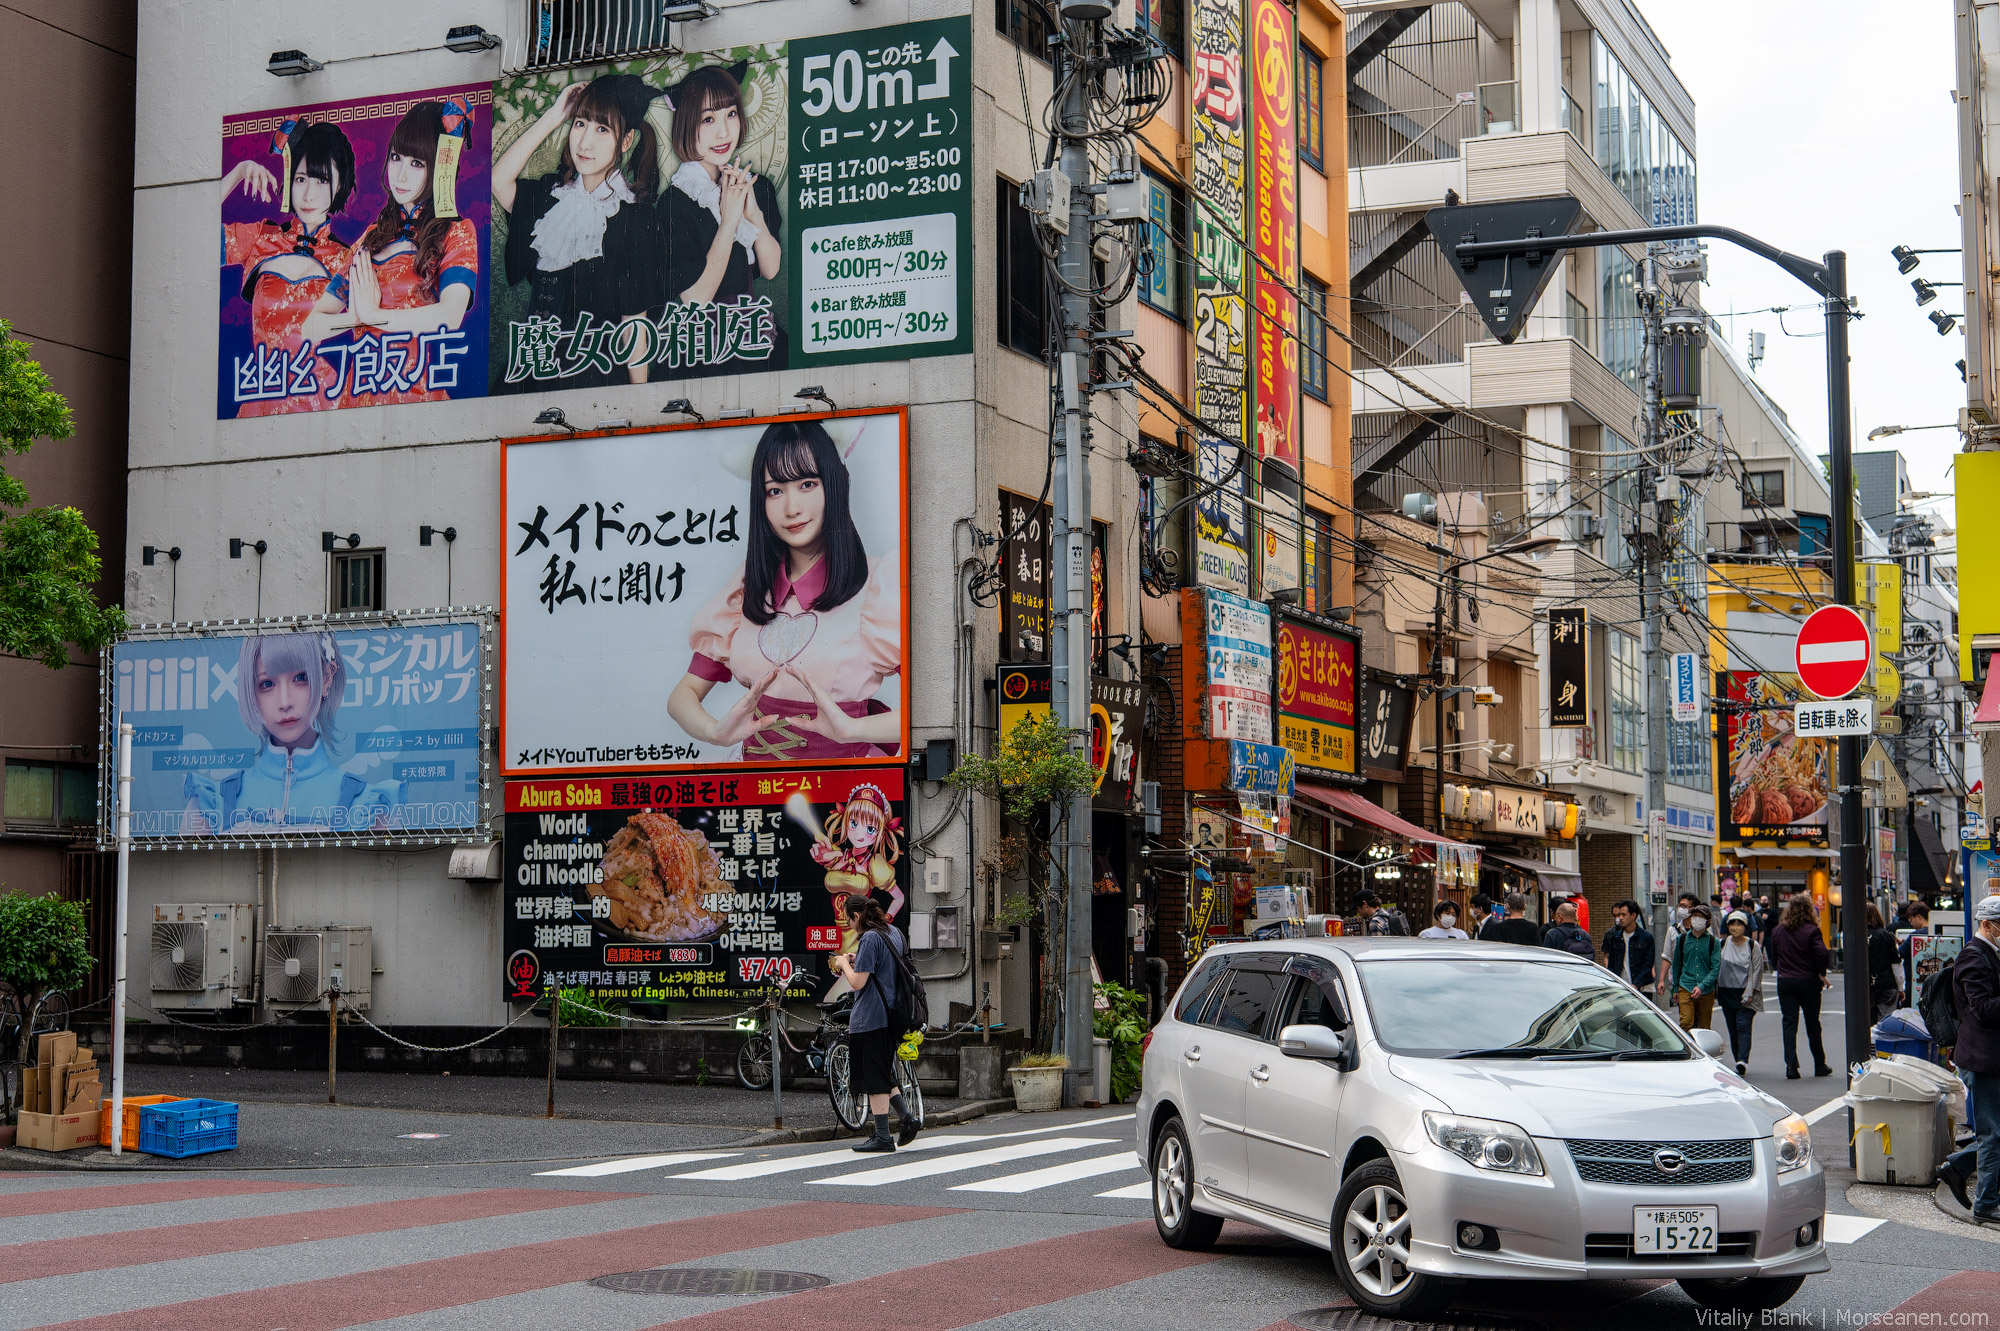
(1474,1008)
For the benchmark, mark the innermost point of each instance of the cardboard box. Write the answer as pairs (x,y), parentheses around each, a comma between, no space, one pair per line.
(56,1049)
(58,1132)
(80,1081)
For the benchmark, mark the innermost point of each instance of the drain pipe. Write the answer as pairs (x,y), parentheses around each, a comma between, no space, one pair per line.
(1156,988)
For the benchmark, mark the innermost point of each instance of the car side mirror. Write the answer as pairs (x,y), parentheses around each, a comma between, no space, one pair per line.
(1316,1042)
(1710,1043)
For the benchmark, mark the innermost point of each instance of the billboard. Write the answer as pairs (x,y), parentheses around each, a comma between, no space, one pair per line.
(1274,210)
(684,886)
(783,205)
(1317,688)
(706,595)
(1776,786)
(1117,726)
(1221,348)
(306,191)
(1239,667)
(1569,667)
(313,731)
(1220,528)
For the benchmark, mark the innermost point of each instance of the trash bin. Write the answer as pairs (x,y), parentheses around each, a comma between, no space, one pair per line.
(1902,1122)
(1903,1032)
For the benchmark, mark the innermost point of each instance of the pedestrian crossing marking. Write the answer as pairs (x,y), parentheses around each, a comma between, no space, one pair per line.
(951,1164)
(1138,1192)
(816,1160)
(632,1163)
(1068,1172)
(1848,1228)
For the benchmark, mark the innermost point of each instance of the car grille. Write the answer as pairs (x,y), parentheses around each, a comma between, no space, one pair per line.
(1631,1163)
(1618,1247)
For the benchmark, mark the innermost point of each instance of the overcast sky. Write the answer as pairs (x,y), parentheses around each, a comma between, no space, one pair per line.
(1825,124)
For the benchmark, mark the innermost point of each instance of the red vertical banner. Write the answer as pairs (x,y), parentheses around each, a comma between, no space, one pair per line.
(1274,210)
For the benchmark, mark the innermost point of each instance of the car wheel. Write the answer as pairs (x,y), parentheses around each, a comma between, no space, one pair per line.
(1371,1247)
(1180,1225)
(1749,1294)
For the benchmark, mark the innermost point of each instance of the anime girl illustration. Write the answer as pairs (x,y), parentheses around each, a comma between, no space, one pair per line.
(858,849)
(720,217)
(585,237)
(289,688)
(288,262)
(809,625)
(422,262)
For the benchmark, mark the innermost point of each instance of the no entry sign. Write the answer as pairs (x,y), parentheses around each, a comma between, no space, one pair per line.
(1834,651)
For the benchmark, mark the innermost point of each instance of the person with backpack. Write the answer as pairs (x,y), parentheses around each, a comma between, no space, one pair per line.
(1885,984)
(1693,969)
(1377,922)
(885,985)
(1566,935)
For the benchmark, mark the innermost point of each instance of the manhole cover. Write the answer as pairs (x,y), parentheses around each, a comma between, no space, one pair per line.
(1346,1317)
(709,1282)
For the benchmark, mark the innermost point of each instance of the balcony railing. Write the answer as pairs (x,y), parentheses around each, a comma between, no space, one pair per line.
(550,34)
(1411,134)
(1499,108)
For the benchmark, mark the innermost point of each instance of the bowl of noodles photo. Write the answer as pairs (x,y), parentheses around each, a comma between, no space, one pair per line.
(655,873)
(1776,778)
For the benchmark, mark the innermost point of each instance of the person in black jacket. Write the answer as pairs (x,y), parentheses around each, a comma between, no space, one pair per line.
(1885,986)
(1566,935)
(1975,979)
(1628,946)
(1798,954)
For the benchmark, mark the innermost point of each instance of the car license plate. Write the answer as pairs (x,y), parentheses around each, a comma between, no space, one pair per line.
(1667,1231)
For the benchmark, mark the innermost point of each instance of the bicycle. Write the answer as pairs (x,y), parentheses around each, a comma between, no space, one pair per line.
(51,1013)
(826,1055)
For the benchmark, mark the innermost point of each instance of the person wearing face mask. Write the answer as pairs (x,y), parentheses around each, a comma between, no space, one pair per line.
(1444,922)
(1692,971)
(1677,925)
(1975,979)
(1739,984)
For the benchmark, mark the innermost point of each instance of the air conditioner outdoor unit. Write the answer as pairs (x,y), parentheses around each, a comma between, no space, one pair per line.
(201,955)
(301,963)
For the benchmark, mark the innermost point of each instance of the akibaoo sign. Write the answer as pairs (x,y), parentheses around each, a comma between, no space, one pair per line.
(1316,694)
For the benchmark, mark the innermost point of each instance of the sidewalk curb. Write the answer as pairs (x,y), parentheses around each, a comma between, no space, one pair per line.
(965,1113)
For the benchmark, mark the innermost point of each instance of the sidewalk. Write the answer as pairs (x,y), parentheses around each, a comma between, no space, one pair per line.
(287,1124)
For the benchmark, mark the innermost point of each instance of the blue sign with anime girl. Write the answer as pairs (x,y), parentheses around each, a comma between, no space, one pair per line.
(308,192)
(349,731)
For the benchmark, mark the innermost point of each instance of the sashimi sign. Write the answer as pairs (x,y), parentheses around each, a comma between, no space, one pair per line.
(1834,651)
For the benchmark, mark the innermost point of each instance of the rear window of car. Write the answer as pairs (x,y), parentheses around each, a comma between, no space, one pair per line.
(1247,999)
(1197,987)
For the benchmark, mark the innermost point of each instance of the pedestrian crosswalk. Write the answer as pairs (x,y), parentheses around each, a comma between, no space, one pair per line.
(999,1163)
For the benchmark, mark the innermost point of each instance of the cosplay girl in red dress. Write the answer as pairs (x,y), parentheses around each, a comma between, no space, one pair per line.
(419,273)
(288,263)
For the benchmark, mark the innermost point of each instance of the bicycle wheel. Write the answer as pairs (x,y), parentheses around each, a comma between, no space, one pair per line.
(913,1094)
(849,1105)
(52,1013)
(753,1062)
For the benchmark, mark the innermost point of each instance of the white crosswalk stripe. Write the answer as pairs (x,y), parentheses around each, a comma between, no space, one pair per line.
(1137,1192)
(951,1164)
(633,1163)
(1068,1172)
(791,1164)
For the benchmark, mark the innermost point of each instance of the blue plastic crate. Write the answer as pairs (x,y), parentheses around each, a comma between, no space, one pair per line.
(187,1127)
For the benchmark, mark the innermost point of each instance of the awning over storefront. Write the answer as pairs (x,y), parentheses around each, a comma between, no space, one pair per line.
(1459,856)
(1929,869)
(1564,882)
(1989,702)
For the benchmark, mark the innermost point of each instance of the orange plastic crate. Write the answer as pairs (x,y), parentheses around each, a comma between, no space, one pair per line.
(133,1103)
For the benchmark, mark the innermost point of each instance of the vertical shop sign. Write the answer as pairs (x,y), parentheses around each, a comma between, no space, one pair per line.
(1316,695)
(1386,711)
(1027,567)
(1569,668)
(1274,56)
(1239,668)
(1221,545)
(1221,352)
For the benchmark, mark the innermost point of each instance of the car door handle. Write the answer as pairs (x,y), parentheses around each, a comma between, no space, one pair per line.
(1262,1072)
(1192,1055)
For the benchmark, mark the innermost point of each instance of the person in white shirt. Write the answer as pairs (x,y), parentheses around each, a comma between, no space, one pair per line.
(1444,922)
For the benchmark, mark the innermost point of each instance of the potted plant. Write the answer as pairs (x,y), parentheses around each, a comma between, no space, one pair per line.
(1038,1082)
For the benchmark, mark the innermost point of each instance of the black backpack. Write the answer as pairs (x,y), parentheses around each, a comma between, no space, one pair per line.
(911,1010)
(1572,939)
(1399,924)
(1940,1008)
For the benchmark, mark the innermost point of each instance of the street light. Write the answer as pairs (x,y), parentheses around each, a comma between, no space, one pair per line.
(1927,290)
(1945,322)
(1884,431)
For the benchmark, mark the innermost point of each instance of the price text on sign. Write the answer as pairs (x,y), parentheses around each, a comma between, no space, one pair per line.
(1834,651)
(1831,720)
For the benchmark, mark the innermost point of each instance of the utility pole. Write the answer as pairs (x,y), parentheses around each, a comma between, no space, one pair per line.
(1853,854)
(1652,609)
(1069,656)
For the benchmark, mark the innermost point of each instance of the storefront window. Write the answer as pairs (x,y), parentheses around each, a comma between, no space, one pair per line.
(1628,710)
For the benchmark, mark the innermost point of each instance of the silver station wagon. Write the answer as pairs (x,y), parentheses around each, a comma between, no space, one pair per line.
(1431,1112)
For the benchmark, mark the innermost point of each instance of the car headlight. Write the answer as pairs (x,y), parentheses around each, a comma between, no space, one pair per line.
(1791,1137)
(1485,1143)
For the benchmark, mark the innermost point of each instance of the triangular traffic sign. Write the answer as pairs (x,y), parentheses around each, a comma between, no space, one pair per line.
(1504,288)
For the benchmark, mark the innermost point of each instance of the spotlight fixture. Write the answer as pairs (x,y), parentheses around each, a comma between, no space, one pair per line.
(426,531)
(237,543)
(554,416)
(815,393)
(682,407)
(327,540)
(1945,322)
(470,39)
(1286,596)
(1927,290)
(291,64)
(1907,260)
(149,555)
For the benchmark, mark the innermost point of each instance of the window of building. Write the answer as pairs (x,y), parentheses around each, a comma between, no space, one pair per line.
(577,32)
(1021,303)
(1164,285)
(1623,345)
(1688,744)
(1621,500)
(1764,489)
(357,581)
(1635,149)
(46,796)
(1318,561)
(1628,708)
(1312,365)
(1165,21)
(1026,23)
(1312,108)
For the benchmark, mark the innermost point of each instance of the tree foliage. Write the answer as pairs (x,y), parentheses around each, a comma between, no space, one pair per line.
(1034,773)
(44,945)
(48,556)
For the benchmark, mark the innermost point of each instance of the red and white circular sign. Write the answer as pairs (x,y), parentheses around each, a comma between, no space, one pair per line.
(1834,652)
